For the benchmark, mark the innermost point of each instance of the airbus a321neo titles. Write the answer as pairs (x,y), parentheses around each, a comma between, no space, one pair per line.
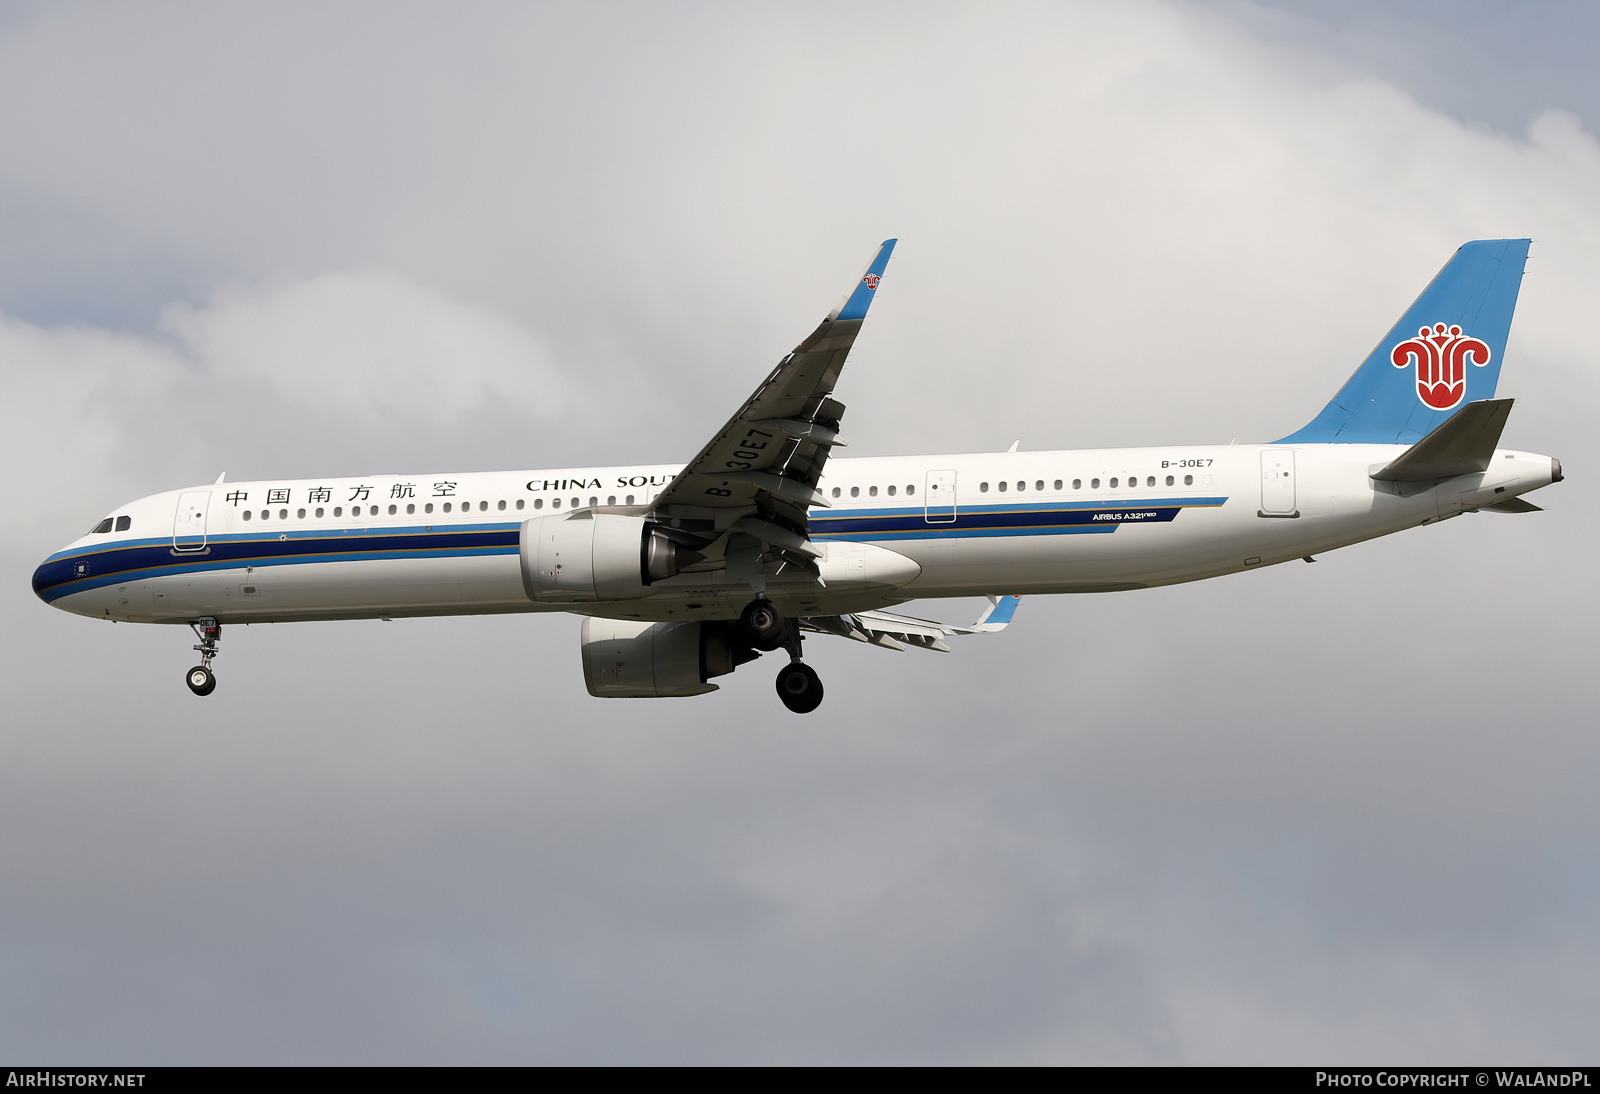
(683,572)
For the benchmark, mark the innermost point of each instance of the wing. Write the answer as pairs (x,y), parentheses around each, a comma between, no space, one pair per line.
(758,476)
(897,632)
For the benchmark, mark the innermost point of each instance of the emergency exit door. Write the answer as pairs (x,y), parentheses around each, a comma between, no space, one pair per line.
(189,524)
(939,498)
(1277,483)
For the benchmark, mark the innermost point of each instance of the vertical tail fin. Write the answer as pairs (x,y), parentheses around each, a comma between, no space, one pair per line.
(1445,352)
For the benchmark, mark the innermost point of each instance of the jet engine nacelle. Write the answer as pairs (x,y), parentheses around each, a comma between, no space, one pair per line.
(583,557)
(631,659)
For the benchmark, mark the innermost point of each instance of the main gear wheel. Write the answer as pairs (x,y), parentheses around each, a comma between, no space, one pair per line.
(799,687)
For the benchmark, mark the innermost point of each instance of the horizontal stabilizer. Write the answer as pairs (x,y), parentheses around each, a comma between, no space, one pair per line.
(1001,609)
(1462,445)
(1512,505)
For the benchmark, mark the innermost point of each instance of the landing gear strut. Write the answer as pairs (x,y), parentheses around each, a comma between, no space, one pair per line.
(763,626)
(201,680)
(798,684)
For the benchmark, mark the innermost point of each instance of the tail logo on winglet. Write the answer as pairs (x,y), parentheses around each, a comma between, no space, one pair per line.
(1441,354)
(872,280)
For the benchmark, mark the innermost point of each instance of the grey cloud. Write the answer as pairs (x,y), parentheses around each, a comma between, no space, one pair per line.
(1491,65)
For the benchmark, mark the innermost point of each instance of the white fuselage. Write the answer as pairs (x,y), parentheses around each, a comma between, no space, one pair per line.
(899,528)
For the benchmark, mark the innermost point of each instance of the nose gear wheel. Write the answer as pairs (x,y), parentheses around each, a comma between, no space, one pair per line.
(201,680)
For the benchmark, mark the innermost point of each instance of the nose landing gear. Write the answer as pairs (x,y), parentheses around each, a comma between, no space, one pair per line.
(201,680)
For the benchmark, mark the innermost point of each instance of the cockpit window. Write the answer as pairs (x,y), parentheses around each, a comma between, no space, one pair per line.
(124,523)
(102,527)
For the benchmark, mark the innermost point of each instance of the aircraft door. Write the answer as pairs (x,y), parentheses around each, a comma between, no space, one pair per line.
(1277,483)
(939,497)
(189,524)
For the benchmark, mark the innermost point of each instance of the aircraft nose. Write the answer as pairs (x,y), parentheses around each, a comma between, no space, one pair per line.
(1555,470)
(49,574)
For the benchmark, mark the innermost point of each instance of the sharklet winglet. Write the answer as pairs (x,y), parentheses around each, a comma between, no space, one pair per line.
(859,299)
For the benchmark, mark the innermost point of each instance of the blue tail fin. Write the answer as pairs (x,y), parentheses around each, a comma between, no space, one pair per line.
(1443,353)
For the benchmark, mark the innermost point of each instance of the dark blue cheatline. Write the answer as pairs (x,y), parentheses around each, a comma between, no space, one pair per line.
(70,572)
(1023,519)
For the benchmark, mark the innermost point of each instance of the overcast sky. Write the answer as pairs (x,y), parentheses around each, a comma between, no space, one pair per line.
(1317,814)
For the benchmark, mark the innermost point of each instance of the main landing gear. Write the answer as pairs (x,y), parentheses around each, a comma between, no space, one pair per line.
(799,687)
(201,680)
(764,626)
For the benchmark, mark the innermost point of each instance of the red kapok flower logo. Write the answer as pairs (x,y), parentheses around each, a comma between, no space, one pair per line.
(1441,354)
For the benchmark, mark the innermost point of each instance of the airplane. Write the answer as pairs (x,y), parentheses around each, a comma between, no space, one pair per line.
(684,572)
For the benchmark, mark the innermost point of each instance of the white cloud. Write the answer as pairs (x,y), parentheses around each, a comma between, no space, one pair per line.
(369,342)
(368,350)
(70,392)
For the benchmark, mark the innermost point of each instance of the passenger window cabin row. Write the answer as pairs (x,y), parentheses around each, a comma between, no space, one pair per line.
(374,510)
(1114,483)
(555,503)
(872,491)
(1094,484)
(358,511)
(122,524)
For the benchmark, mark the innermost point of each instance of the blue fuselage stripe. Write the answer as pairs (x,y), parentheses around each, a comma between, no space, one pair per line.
(75,571)
(1016,519)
